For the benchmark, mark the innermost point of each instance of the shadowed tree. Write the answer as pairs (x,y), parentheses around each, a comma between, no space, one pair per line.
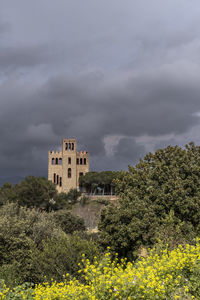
(35,192)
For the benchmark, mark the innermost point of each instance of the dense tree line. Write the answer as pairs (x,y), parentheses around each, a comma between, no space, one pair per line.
(98,182)
(38,192)
(159,204)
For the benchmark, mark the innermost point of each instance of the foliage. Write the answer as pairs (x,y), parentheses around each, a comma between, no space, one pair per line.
(103,201)
(33,244)
(25,291)
(38,192)
(36,225)
(166,275)
(21,231)
(162,184)
(65,200)
(173,232)
(60,257)
(6,192)
(34,192)
(61,201)
(83,200)
(73,196)
(68,222)
(92,181)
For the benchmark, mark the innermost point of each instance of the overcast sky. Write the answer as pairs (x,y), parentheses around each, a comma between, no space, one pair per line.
(121,76)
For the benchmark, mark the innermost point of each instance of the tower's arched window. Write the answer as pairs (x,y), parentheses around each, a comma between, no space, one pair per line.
(53,161)
(77,161)
(69,146)
(69,160)
(69,173)
(54,177)
(81,161)
(57,179)
(66,146)
(60,181)
(60,161)
(56,161)
(84,161)
(72,146)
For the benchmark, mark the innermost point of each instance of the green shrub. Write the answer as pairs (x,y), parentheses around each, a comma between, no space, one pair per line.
(68,222)
(60,257)
(83,200)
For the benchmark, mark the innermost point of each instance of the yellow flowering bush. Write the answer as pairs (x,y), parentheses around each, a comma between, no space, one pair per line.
(167,275)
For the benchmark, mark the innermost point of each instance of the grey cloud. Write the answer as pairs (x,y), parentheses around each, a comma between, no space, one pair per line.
(4,27)
(130,151)
(96,70)
(41,116)
(126,152)
(20,57)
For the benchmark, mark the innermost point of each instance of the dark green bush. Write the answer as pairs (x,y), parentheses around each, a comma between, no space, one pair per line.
(68,222)
(60,257)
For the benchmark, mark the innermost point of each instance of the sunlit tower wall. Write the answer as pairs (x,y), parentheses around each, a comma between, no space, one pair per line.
(66,166)
(69,164)
(55,172)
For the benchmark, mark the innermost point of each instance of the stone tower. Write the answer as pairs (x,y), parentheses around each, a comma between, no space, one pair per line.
(66,166)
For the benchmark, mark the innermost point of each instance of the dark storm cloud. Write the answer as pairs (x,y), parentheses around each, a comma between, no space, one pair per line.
(129,149)
(17,57)
(121,78)
(127,152)
(35,119)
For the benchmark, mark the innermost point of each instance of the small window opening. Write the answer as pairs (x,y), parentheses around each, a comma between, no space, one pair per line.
(56,161)
(84,161)
(57,179)
(81,161)
(69,146)
(60,181)
(66,146)
(80,174)
(69,173)
(53,161)
(77,161)
(54,177)
(60,161)
(69,160)
(72,146)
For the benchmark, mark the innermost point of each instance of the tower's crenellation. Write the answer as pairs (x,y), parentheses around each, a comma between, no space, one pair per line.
(55,152)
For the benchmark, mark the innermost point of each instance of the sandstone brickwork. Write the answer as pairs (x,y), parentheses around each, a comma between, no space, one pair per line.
(66,166)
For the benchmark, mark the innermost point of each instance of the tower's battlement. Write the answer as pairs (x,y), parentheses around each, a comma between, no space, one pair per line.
(83,152)
(66,166)
(55,153)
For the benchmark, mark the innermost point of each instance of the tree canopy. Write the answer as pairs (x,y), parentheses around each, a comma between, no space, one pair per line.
(35,244)
(38,192)
(102,181)
(68,222)
(162,189)
(34,192)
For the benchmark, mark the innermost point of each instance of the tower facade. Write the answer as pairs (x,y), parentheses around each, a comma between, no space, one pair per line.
(66,166)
